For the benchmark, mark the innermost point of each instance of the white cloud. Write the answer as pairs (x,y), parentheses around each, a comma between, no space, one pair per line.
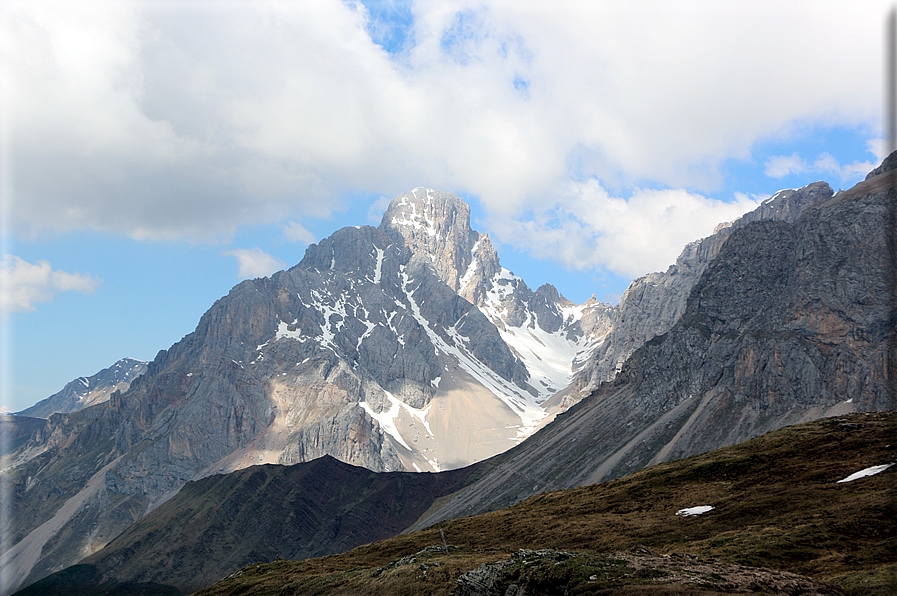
(22,284)
(585,227)
(783,165)
(377,209)
(294,231)
(878,148)
(162,120)
(254,262)
(825,165)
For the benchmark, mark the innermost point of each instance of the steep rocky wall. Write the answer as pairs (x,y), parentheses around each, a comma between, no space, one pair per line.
(652,304)
(789,323)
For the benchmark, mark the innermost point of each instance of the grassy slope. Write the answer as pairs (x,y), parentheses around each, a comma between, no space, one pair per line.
(220,523)
(777,505)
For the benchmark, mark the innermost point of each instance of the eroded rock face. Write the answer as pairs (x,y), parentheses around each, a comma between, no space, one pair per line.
(652,304)
(384,347)
(550,335)
(792,321)
(434,224)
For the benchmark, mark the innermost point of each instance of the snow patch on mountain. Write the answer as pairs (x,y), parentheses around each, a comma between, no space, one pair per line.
(389,419)
(283,330)
(519,400)
(691,511)
(865,472)
(378,272)
(548,356)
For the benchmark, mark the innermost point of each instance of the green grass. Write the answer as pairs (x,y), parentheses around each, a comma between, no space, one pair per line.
(777,505)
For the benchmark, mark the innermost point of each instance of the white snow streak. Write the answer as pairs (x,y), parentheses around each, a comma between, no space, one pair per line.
(387,419)
(548,357)
(695,510)
(517,399)
(866,472)
(378,272)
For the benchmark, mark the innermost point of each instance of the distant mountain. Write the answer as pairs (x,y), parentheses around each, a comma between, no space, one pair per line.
(367,350)
(87,391)
(652,304)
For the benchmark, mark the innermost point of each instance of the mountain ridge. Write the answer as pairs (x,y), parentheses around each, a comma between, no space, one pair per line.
(777,501)
(360,351)
(788,323)
(364,352)
(87,391)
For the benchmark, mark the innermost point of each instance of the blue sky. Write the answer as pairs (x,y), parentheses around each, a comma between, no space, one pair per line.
(156,153)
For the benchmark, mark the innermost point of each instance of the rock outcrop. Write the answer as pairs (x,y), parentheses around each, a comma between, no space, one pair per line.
(652,304)
(639,570)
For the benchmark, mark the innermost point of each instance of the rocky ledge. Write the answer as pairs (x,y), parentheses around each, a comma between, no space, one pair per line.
(638,571)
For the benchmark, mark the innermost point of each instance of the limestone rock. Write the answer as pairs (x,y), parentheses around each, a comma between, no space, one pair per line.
(367,351)
(790,322)
(652,304)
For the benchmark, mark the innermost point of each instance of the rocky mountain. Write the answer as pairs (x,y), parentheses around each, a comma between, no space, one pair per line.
(367,350)
(409,347)
(549,334)
(652,304)
(87,391)
(791,321)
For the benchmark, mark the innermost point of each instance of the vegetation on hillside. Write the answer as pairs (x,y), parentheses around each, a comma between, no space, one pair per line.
(777,504)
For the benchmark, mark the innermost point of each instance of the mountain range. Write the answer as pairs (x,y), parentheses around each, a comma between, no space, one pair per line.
(408,347)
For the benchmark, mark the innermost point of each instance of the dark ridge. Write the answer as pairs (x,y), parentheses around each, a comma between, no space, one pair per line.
(259,514)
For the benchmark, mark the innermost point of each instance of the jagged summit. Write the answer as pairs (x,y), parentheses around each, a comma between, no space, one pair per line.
(435,225)
(550,334)
(409,346)
(402,347)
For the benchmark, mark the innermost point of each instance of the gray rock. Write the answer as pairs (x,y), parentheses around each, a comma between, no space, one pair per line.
(652,304)
(790,322)
(283,369)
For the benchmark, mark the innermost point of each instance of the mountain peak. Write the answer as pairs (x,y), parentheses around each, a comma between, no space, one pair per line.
(888,164)
(435,225)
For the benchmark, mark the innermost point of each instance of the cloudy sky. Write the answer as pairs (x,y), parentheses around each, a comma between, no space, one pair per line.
(156,153)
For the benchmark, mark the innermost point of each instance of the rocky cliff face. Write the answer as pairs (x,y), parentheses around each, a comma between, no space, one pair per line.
(409,347)
(87,391)
(368,350)
(652,304)
(552,336)
(790,322)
